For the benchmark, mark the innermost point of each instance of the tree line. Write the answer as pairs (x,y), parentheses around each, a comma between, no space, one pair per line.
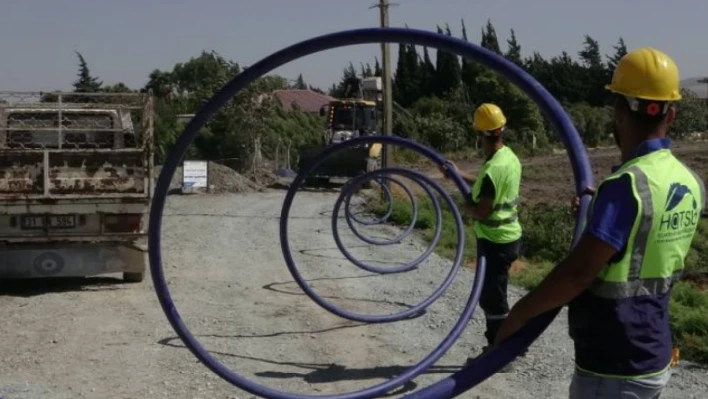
(231,133)
(438,96)
(441,96)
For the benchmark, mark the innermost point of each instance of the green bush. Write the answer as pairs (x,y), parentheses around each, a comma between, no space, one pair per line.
(691,115)
(697,259)
(689,321)
(548,231)
(593,123)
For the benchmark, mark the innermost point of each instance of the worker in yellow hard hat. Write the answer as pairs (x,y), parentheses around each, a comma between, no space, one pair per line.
(642,220)
(494,207)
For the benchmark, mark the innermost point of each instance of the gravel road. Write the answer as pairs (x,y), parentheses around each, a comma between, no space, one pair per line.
(99,338)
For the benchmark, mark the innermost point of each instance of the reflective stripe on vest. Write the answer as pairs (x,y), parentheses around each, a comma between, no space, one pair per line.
(502,226)
(500,222)
(506,205)
(661,235)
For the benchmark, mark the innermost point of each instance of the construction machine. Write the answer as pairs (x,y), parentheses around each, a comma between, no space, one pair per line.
(345,119)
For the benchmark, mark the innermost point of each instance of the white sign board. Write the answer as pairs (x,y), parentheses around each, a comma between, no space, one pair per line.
(194,175)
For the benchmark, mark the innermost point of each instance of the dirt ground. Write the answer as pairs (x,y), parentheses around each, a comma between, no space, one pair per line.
(549,178)
(100,338)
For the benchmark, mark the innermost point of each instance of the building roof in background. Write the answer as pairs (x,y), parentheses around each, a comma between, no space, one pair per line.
(307,100)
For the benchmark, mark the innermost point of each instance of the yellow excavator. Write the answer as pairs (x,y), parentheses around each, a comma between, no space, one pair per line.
(345,119)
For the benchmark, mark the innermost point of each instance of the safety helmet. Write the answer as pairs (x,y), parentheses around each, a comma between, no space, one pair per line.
(489,118)
(646,75)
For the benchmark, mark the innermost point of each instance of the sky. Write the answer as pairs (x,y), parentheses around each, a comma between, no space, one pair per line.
(123,41)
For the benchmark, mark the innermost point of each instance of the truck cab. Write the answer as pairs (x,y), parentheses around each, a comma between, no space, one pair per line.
(346,119)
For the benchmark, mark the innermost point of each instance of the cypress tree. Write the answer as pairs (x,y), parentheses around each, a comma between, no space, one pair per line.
(620,51)
(447,70)
(377,68)
(489,38)
(427,75)
(86,83)
(513,52)
(595,72)
(402,77)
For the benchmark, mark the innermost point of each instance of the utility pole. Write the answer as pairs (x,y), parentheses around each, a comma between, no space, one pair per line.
(387,89)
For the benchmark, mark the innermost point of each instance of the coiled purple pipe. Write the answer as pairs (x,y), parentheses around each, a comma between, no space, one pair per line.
(472,374)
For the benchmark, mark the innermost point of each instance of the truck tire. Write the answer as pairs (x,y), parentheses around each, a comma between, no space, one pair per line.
(133,277)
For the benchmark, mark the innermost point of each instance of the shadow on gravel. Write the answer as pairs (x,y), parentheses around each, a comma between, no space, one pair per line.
(334,189)
(325,373)
(33,287)
(169,341)
(315,185)
(272,287)
(322,372)
(309,252)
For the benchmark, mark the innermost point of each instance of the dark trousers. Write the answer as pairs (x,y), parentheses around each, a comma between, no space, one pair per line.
(493,300)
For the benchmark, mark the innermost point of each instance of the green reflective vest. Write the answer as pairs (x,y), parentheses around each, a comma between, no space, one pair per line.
(670,199)
(502,225)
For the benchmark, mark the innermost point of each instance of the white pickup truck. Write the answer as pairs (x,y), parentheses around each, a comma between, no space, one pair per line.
(76,180)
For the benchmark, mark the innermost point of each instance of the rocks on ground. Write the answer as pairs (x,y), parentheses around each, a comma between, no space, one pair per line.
(266,177)
(226,180)
(222,179)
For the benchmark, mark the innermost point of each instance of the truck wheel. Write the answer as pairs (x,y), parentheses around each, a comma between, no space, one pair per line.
(133,277)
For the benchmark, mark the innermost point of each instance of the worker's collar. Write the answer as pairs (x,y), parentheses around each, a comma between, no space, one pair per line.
(495,153)
(647,147)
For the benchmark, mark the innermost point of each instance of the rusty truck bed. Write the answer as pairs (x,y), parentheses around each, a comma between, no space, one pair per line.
(49,175)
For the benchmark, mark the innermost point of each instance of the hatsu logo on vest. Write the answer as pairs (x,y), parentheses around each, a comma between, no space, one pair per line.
(679,220)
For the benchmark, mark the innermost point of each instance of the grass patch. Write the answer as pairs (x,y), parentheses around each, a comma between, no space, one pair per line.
(548,231)
(697,259)
(529,275)
(689,321)
(402,215)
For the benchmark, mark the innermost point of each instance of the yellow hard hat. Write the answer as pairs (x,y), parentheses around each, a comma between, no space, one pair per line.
(488,117)
(646,74)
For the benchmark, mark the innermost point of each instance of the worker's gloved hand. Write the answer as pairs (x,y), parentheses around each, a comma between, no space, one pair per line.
(447,167)
(575,202)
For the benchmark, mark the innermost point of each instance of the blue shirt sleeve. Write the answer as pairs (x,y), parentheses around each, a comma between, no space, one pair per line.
(614,213)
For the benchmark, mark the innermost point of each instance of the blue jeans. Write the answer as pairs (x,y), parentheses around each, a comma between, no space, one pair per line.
(585,386)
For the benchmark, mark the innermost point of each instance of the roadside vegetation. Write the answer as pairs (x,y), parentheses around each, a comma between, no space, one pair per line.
(548,232)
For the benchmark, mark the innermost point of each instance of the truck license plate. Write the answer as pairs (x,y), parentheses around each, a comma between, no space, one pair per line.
(31,222)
